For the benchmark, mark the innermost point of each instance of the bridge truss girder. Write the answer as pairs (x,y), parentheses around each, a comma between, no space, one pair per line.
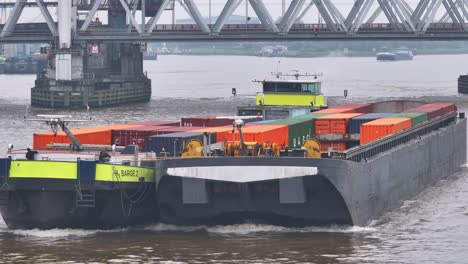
(401,16)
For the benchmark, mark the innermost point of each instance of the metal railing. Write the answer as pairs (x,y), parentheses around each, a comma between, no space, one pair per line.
(386,143)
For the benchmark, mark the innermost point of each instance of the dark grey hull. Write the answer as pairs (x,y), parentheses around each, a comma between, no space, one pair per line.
(253,202)
(343,192)
(47,204)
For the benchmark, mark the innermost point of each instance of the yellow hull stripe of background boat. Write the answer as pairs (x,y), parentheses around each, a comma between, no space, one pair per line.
(109,173)
(43,169)
(291,99)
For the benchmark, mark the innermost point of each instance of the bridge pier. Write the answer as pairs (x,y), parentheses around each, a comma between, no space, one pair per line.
(101,75)
(93,74)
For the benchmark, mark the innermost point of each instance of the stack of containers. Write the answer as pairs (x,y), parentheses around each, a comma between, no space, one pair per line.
(300,128)
(173,144)
(259,133)
(433,110)
(211,121)
(336,124)
(215,131)
(137,135)
(356,122)
(101,135)
(383,127)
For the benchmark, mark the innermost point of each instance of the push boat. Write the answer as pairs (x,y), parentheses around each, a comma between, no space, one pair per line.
(345,164)
(67,187)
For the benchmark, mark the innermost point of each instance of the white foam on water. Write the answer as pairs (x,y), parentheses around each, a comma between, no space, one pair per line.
(60,233)
(161,227)
(54,233)
(245,229)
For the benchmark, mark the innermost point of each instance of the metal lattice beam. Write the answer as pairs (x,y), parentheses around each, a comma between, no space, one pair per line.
(91,15)
(13,18)
(227,11)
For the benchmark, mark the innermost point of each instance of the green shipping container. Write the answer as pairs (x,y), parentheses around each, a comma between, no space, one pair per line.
(416,118)
(300,128)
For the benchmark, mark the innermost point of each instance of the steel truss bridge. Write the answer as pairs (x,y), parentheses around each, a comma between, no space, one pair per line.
(428,20)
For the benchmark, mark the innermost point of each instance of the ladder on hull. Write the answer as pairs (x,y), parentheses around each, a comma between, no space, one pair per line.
(85,198)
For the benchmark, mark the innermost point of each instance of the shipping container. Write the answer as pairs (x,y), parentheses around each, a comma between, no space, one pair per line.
(205,121)
(300,128)
(333,124)
(173,144)
(259,133)
(416,118)
(433,110)
(298,131)
(383,127)
(448,107)
(431,113)
(137,135)
(215,131)
(357,108)
(356,122)
(101,135)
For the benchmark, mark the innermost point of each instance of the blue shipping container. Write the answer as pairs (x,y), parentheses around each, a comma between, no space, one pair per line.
(174,143)
(356,122)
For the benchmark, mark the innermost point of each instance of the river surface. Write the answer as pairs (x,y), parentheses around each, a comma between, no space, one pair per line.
(430,228)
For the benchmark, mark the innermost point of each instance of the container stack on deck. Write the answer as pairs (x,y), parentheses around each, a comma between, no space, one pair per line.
(338,129)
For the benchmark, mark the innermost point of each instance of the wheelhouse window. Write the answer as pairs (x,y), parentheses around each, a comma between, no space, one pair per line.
(291,87)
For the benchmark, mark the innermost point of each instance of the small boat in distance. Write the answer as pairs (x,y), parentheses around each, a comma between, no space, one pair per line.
(396,55)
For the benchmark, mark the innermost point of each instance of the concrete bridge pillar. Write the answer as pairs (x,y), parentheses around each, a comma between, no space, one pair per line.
(92,74)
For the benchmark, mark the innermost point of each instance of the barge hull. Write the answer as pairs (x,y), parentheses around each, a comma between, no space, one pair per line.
(367,189)
(56,207)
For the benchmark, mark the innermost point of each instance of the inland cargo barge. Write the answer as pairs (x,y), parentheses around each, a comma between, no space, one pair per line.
(346,164)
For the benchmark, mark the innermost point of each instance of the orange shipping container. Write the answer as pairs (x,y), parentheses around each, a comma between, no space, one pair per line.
(383,127)
(101,135)
(259,133)
(220,131)
(333,124)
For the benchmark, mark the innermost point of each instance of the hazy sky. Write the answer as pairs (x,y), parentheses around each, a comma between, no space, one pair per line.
(274,6)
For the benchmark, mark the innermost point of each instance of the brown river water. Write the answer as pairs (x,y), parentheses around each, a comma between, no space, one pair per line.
(430,228)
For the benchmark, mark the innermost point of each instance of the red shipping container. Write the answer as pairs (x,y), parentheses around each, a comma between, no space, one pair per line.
(448,107)
(137,135)
(379,128)
(259,133)
(205,121)
(434,110)
(357,108)
(333,124)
